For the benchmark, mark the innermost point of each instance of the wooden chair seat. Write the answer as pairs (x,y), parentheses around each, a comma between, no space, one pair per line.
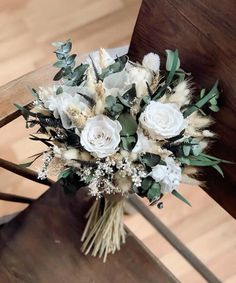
(42,245)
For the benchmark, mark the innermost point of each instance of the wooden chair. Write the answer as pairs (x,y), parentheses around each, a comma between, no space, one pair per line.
(204,33)
(42,244)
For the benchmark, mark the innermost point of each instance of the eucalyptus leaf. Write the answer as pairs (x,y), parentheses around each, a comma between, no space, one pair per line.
(66,47)
(59,90)
(117,108)
(196,149)
(60,64)
(110,101)
(150,159)
(33,92)
(128,123)
(24,111)
(130,94)
(79,72)
(213,101)
(128,143)
(186,150)
(58,75)
(57,44)
(123,101)
(202,93)
(146,183)
(60,55)
(214,108)
(71,59)
(154,192)
(116,67)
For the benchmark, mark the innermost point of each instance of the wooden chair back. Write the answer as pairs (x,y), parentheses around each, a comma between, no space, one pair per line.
(204,33)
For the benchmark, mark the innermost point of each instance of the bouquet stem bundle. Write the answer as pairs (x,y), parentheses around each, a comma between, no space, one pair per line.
(104,232)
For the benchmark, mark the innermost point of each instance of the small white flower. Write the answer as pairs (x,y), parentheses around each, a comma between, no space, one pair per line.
(152,62)
(66,105)
(101,136)
(159,172)
(139,76)
(169,175)
(162,121)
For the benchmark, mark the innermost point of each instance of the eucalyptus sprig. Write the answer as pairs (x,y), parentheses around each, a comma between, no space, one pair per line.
(71,75)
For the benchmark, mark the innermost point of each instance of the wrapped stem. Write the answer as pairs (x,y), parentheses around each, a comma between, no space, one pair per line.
(104,232)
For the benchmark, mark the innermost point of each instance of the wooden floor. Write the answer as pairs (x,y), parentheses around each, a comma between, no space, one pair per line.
(27,29)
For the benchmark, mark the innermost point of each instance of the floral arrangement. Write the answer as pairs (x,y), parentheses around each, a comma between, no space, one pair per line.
(119,127)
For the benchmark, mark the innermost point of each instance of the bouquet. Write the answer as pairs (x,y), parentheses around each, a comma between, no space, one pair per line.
(119,127)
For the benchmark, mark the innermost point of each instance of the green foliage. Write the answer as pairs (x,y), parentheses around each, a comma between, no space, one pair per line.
(203,160)
(150,159)
(188,147)
(24,111)
(65,173)
(146,183)
(218,169)
(130,94)
(209,98)
(90,100)
(59,90)
(173,71)
(33,92)
(114,108)
(144,102)
(191,147)
(172,64)
(154,192)
(116,67)
(66,63)
(199,160)
(172,60)
(78,73)
(127,98)
(128,123)
(180,197)
(128,143)
(110,101)
(71,183)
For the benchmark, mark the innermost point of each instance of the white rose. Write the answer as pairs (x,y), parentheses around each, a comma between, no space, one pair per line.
(152,62)
(162,121)
(144,144)
(169,175)
(101,136)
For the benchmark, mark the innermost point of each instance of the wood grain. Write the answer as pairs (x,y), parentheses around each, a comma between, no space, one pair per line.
(204,33)
(43,244)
